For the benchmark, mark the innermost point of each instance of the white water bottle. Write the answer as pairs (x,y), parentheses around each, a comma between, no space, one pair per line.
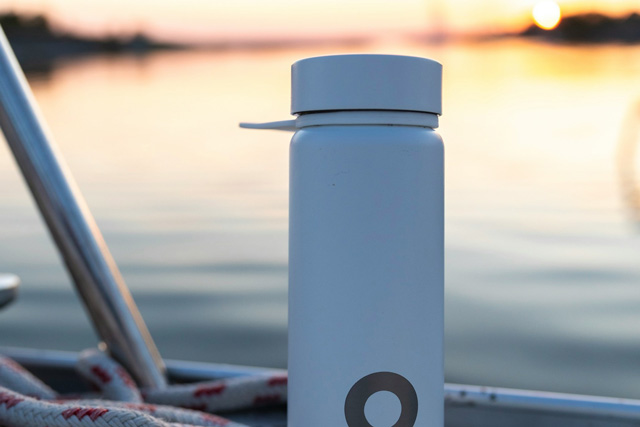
(366,232)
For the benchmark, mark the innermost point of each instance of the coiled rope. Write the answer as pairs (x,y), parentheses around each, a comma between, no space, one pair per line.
(26,401)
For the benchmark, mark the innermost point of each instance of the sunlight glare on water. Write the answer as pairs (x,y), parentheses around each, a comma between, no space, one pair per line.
(541,263)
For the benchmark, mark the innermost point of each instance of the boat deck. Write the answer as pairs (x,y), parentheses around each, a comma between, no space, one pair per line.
(465,405)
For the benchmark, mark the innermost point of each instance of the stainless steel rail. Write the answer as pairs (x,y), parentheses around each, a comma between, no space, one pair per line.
(183,371)
(79,241)
(8,288)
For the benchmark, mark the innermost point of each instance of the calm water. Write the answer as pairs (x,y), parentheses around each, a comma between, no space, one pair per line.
(543,270)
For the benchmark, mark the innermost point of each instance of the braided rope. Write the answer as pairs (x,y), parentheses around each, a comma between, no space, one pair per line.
(25,401)
(213,396)
(109,377)
(169,414)
(17,410)
(225,395)
(15,377)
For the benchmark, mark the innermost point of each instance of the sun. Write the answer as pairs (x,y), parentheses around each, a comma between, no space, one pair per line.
(546,14)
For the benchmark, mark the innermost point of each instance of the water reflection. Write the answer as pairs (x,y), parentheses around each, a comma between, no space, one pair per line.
(628,162)
(541,270)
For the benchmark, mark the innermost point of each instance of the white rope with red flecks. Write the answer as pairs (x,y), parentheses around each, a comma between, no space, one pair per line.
(25,401)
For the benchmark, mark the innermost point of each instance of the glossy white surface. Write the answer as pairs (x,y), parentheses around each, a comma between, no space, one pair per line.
(365,267)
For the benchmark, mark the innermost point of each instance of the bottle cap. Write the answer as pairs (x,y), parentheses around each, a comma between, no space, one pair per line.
(366,82)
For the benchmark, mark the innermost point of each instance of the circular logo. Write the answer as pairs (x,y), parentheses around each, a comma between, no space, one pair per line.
(366,386)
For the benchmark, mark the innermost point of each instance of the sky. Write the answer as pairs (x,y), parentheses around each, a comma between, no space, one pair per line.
(209,20)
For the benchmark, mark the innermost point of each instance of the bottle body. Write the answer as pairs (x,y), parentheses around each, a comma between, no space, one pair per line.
(366,276)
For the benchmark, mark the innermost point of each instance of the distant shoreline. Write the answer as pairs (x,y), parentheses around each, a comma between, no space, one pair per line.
(590,28)
(37,46)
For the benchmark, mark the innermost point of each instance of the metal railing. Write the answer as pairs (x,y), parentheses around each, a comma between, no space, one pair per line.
(75,232)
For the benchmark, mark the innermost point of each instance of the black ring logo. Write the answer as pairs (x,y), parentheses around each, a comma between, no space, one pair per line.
(373,383)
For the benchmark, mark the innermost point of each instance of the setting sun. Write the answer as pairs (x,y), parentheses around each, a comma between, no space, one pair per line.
(546,14)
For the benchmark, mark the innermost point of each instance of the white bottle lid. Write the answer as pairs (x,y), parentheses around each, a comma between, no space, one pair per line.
(366,82)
